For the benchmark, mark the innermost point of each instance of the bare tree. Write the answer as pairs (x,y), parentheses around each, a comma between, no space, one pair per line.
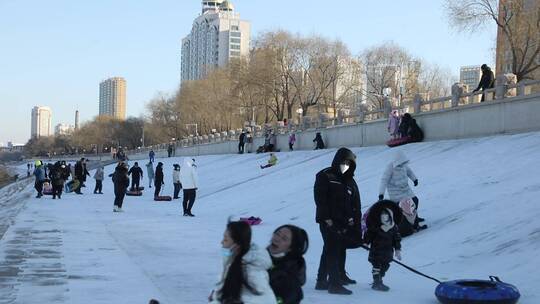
(518,23)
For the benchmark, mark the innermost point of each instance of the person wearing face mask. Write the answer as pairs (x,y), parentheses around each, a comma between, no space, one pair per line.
(245,270)
(395,180)
(176,181)
(288,273)
(338,213)
(383,236)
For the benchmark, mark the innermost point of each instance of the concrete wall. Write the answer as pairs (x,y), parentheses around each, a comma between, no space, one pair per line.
(507,116)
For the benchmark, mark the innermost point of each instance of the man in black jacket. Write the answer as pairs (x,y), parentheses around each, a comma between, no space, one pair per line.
(241,142)
(136,176)
(158,181)
(121,182)
(338,213)
(487,81)
(80,174)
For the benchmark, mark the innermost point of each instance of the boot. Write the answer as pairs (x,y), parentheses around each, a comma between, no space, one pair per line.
(338,289)
(345,280)
(378,284)
(321,285)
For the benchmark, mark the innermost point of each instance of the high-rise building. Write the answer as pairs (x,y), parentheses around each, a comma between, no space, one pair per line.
(41,122)
(470,75)
(523,25)
(112,98)
(76,119)
(217,36)
(62,129)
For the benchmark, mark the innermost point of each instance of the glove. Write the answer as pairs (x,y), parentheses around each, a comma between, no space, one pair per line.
(397,254)
(381,196)
(415,182)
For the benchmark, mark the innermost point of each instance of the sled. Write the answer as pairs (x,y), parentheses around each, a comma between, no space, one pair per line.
(133,189)
(71,185)
(165,198)
(47,190)
(251,220)
(493,291)
(134,193)
(399,141)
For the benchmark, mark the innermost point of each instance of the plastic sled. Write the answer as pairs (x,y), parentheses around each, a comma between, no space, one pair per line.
(477,292)
(133,189)
(399,141)
(251,220)
(134,193)
(165,198)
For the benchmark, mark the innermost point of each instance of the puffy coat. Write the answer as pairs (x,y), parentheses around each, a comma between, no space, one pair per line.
(396,179)
(135,172)
(159,175)
(150,170)
(336,195)
(176,176)
(287,276)
(256,264)
(382,244)
(99,174)
(120,180)
(188,175)
(39,173)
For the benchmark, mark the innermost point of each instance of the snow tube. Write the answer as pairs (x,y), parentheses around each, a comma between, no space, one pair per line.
(133,193)
(399,141)
(133,189)
(477,292)
(163,198)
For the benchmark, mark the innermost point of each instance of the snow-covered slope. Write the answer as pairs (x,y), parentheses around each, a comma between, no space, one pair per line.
(479,196)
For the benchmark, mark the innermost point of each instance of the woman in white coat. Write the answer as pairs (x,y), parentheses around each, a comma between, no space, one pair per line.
(189,180)
(245,270)
(395,180)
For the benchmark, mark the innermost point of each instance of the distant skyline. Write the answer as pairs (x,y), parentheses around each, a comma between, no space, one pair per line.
(55,53)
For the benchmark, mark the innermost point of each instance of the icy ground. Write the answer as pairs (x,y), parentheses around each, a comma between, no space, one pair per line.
(479,196)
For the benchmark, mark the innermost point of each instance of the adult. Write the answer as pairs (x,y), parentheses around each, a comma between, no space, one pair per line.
(487,81)
(158,182)
(409,128)
(79,175)
(245,271)
(176,181)
(292,140)
(190,181)
(85,172)
(39,174)
(241,142)
(319,143)
(98,176)
(249,140)
(338,213)
(393,124)
(288,273)
(395,180)
(272,142)
(57,176)
(150,173)
(136,175)
(152,155)
(170,150)
(121,182)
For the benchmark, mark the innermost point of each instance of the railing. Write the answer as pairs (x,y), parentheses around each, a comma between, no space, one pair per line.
(458,98)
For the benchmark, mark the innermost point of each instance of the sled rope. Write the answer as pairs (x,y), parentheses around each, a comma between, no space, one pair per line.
(409,268)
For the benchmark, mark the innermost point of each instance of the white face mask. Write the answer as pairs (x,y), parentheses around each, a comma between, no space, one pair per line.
(343,168)
(385,218)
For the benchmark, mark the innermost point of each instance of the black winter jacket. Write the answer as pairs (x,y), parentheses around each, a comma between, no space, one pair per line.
(336,195)
(135,172)
(158,181)
(120,180)
(487,81)
(287,276)
(382,244)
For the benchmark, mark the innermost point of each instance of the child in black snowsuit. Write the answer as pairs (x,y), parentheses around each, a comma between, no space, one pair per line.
(383,235)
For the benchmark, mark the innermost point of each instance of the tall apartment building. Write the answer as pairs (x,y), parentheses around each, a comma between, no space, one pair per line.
(112,98)
(217,36)
(41,123)
(470,75)
(525,19)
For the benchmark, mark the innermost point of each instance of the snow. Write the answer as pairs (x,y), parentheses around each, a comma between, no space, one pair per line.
(479,197)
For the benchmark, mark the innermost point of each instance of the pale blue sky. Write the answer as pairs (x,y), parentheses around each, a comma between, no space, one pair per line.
(56,52)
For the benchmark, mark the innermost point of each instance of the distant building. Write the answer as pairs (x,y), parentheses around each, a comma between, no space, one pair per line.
(63,129)
(76,119)
(112,98)
(217,36)
(470,75)
(41,123)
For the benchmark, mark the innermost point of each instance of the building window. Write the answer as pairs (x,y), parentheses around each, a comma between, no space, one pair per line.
(236,34)
(235,28)
(235,53)
(236,40)
(235,47)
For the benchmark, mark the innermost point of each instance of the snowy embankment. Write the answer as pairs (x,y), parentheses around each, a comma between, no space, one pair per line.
(479,197)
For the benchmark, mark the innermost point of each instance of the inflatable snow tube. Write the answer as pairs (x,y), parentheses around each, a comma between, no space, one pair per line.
(477,292)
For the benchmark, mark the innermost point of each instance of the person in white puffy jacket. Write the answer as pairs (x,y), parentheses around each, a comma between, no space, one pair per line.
(245,270)
(189,180)
(395,180)
(176,181)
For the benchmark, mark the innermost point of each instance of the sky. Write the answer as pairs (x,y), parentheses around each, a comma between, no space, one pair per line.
(55,53)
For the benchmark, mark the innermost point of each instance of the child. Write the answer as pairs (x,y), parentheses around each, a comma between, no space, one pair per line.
(393,124)
(384,237)
(271,162)
(292,140)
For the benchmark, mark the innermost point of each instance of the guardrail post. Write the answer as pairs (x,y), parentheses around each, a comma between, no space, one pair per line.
(457,91)
(387,106)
